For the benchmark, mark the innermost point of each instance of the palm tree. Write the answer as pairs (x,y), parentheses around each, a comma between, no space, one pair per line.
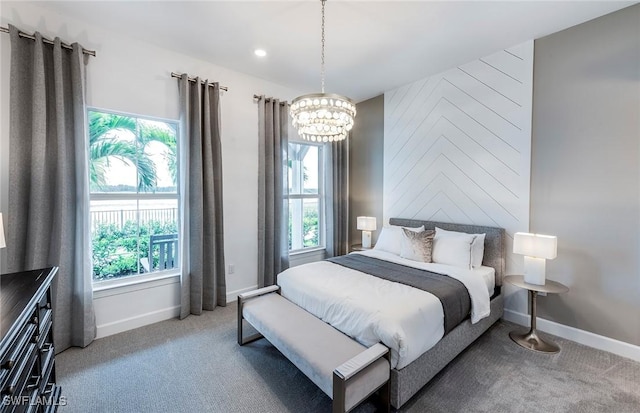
(105,145)
(150,133)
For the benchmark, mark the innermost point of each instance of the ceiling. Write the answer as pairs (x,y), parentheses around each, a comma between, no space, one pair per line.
(371,46)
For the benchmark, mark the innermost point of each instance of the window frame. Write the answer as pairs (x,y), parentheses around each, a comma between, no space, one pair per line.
(320,196)
(103,285)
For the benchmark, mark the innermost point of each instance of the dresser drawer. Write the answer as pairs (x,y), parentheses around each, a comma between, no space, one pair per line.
(18,347)
(18,359)
(34,402)
(52,393)
(16,391)
(44,307)
(43,336)
(27,364)
(47,362)
(21,373)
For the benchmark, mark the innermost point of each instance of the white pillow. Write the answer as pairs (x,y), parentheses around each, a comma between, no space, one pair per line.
(390,238)
(453,249)
(477,248)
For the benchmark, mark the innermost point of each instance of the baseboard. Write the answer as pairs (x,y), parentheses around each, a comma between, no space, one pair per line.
(574,334)
(137,321)
(126,324)
(233,295)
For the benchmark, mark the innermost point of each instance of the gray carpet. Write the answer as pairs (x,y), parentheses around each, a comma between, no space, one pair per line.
(195,365)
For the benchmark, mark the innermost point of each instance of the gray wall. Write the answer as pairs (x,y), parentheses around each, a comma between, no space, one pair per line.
(365,166)
(585,177)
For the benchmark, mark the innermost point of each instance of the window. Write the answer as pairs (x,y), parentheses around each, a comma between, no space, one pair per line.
(306,199)
(133,168)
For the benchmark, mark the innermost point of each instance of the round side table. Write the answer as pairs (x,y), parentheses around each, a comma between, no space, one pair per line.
(531,340)
(359,247)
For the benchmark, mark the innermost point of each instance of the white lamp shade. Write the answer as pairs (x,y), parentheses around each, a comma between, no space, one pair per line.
(535,245)
(366,223)
(2,241)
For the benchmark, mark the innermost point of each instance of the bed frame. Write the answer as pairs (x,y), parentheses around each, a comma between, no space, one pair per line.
(401,384)
(409,380)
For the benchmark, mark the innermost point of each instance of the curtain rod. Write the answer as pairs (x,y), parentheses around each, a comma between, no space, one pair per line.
(193,79)
(256,97)
(48,41)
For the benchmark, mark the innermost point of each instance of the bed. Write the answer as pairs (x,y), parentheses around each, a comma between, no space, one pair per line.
(419,344)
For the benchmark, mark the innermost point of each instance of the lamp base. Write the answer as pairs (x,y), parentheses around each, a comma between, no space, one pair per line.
(534,270)
(532,341)
(366,239)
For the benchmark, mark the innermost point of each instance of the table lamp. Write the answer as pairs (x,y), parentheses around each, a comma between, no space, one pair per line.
(3,244)
(536,249)
(366,225)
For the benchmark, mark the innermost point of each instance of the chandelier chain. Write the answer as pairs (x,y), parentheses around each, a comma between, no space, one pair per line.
(322,117)
(322,54)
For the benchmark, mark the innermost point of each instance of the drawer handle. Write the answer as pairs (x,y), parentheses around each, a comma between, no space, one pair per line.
(47,306)
(13,358)
(35,385)
(7,391)
(13,384)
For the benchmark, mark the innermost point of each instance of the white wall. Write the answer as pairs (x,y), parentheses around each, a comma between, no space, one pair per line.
(430,172)
(132,76)
(457,147)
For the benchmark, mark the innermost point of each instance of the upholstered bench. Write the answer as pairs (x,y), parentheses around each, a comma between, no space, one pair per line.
(345,370)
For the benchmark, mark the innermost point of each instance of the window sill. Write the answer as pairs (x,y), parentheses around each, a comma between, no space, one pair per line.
(306,251)
(306,256)
(134,283)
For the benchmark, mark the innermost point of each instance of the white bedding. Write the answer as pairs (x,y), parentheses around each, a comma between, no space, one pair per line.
(407,320)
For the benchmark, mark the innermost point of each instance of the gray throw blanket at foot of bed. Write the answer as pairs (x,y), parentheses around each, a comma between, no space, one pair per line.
(453,295)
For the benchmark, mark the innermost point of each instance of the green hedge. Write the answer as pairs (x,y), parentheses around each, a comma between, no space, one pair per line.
(310,234)
(115,250)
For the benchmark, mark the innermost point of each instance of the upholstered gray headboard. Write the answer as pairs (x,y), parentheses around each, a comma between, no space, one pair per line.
(494,241)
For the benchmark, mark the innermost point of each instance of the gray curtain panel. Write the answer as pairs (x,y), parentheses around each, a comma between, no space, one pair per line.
(48,219)
(203,284)
(337,198)
(273,206)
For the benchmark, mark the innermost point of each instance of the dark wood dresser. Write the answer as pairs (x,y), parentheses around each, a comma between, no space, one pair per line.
(27,370)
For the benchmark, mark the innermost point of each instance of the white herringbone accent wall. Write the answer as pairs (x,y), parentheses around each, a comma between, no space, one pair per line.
(457,146)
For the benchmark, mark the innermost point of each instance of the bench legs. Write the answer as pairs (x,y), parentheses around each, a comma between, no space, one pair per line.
(383,402)
(384,397)
(241,300)
(342,374)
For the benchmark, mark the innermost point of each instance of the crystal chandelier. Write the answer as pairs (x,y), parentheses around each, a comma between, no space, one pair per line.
(323,117)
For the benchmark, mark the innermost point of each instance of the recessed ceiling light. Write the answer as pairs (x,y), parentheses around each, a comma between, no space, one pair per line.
(260,52)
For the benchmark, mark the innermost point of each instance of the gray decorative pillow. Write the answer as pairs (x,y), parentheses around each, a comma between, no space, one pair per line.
(417,246)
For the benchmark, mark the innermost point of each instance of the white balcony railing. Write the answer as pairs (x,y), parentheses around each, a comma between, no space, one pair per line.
(120,217)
